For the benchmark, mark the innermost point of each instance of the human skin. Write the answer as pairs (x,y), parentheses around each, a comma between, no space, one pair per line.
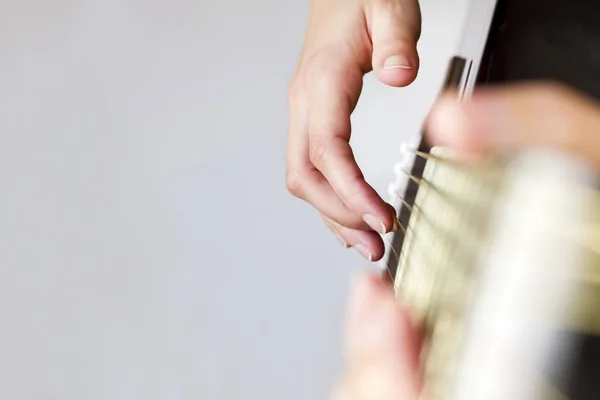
(382,344)
(346,39)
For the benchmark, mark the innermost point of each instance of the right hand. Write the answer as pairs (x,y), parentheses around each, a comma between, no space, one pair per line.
(345,40)
(383,344)
(518,116)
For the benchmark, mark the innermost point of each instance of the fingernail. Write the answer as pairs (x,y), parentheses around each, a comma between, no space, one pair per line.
(396,225)
(364,251)
(375,223)
(397,62)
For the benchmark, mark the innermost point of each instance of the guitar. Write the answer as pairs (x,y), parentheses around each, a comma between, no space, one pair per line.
(499,261)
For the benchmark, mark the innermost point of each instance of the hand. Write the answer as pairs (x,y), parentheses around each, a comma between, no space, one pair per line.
(345,40)
(382,346)
(516,117)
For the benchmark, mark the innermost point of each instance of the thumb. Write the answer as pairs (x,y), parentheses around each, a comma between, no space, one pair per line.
(395,27)
(381,346)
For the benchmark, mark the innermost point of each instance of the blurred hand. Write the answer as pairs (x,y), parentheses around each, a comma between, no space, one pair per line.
(381,347)
(382,344)
(519,116)
(345,40)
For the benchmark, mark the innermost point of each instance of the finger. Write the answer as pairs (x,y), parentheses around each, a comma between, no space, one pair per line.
(382,346)
(395,26)
(368,244)
(333,227)
(303,179)
(520,116)
(333,89)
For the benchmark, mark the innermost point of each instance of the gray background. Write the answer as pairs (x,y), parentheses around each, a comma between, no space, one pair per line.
(148,249)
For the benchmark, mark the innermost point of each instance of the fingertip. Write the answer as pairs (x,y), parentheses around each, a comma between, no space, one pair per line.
(382,219)
(376,223)
(377,256)
(364,290)
(370,251)
(397,70)
(367,243)
(449,124)
(373,243)
(446,123)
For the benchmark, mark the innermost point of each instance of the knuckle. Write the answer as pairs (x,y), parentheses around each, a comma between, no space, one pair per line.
(336,68)
(350,221)
(318,152)
(293,90)
(313,69)
(353,192)
(325,147)
(293,181)
(404,18)
(321,66)
(346,219)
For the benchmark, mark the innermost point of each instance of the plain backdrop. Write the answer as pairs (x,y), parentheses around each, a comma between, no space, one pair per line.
(148,247)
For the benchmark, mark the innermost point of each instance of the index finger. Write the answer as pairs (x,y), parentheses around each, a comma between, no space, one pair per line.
(333,91)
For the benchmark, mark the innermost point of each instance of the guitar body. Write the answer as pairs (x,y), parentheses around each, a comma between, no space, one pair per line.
(553,40)
(503,278)
(532,40)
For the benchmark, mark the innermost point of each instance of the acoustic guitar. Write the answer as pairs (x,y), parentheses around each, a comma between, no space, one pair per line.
(500,260)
